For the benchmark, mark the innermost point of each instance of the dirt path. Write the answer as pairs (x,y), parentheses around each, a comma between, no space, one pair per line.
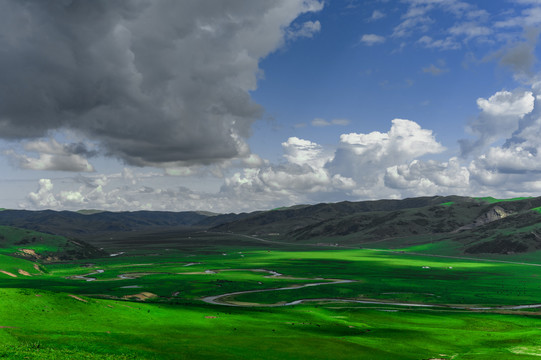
(7,273)
(23,272)
(78,298)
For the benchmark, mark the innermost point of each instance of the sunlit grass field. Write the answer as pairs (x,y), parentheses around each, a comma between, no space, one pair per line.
(135,306)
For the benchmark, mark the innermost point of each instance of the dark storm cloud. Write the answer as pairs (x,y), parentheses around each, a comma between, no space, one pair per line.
(79,148)
(154,82)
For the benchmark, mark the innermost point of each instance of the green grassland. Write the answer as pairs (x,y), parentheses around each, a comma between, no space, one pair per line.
(110,329)
(415,302)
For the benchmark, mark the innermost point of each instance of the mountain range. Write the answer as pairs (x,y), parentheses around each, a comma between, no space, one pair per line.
(455,224)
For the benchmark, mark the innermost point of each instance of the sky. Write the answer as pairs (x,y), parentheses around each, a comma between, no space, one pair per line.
(243,105)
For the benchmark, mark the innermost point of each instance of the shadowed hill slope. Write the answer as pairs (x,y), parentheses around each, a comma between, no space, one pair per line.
(473,225)
(288,220)
(467,225)
(76,224)
(34,245)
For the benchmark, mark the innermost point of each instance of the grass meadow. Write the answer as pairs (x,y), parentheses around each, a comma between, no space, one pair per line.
(148,304)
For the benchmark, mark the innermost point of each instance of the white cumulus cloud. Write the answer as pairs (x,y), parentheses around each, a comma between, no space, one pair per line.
(499,118)
(44,197)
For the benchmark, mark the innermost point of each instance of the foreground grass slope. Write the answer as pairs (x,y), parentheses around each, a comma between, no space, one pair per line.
(44,325)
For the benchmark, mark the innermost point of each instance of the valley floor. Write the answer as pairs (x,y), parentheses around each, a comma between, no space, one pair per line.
(269,301)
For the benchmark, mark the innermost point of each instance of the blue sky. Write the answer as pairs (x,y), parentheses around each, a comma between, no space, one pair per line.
(246,105)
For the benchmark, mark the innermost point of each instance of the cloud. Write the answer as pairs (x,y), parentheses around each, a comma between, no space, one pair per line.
(510,160)
(54,156)
(154,83)
(72,198)
(429,177)
(518,54)
(301,152)
(319,122)
(43,198)
(341,122)
(306,30)
(519,57)
(377,14)
(470,30)
(499,118)
(372,39)
(314,173)
(364,157)
(463,23)
(391,164)
(449,43)
(362,166)
(505,103)
(530,17)
(434,70)
(514,118)
(405,139)
(406,27)
(253,161)
(506,160)
(417,16)
(303,178)
(303,172)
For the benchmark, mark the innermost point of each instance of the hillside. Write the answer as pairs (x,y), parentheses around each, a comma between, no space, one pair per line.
(462,225)
(90,224)
(472,225)
(288,220)
(33,245)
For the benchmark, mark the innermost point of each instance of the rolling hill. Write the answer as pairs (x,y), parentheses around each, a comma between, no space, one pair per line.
(89,224)
(462,225)
(34,245)
(470,225)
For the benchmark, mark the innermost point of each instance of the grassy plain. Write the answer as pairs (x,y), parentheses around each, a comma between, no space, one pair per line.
(147,304)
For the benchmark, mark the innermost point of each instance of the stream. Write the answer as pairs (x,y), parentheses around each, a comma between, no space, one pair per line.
(216,299)
(221,300)
(85,276)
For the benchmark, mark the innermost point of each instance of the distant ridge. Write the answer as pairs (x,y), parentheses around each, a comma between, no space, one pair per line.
(465,225)
(86,224)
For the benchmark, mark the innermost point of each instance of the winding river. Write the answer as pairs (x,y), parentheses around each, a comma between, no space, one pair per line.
(219,299)
(85,276)
(224,301)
